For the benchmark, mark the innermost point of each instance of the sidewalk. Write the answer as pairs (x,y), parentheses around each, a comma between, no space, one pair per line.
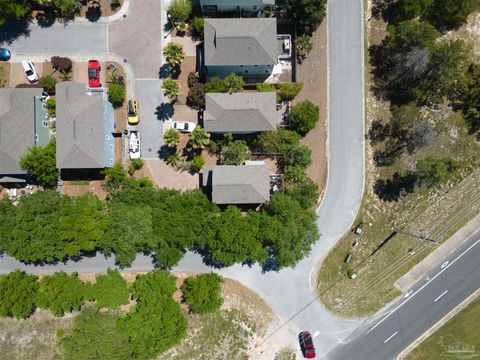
(438,256)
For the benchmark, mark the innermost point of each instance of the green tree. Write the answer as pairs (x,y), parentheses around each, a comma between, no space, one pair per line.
(13,10)
(179,11)
(174,54)
(116,94)
(51,107)
(98,337)
(173,159)
(196,97)
(298,155)
(130,230)
(18,291)
(288,230)
(307,14)
(40,162)
(155,284)
(263,87)
(305,193)
(170,88)
(115,178)
(60,293)
(48,83)
(449,14)
(468,100)
(276,141)
(153,326)
(199,138)
(304,116)
(198,25)
(135,165)
(233,83)
(202,293)
(409,9)
(171,138)
(432,171)
(197,163)
(110,290)
(67,7)
(294,174)
(303,45)
(215,85)
(236,153)
(288,91)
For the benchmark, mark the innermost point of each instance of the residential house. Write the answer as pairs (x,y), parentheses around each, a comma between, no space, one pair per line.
(85,123)
(23,124)
(241,6)
(238,184)
(245,46)
(240,113)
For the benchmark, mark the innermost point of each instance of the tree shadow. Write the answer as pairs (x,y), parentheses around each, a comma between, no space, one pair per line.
(165,71)
(393,189)
(46,18)
(164,111)
(12,30)
(93,13)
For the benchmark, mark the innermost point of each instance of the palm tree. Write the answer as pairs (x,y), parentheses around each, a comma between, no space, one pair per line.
(65,75)
(173,159)
(199,138)
(170,88)
(174,54)
(171,138)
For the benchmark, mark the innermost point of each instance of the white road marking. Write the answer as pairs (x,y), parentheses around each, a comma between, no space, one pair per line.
(316,334)
(408,293)
(424,285)
(439,296)
(390,337)
(444,264)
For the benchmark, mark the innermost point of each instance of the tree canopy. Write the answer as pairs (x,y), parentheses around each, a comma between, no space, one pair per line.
(18,291)
(13,10)
(306,14)
(40,163)
(202,293)
(110,290)
(304,116)
(449,14)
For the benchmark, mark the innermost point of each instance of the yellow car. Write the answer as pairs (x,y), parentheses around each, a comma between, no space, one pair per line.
(132,112)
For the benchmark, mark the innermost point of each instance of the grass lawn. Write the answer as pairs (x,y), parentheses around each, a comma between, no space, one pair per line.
(435,213)
(463,327)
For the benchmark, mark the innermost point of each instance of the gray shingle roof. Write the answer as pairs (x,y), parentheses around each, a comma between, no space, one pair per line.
(240,112)
(243,184)
(17,118)
(80,132)
(249,41)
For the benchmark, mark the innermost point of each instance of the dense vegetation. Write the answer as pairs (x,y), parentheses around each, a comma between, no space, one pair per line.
(202,293)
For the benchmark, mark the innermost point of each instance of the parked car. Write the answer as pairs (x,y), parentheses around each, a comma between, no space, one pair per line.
(30,71)
(5,54)
(185,127)
(132,112)
(94,73)
(306,344)
(134,151)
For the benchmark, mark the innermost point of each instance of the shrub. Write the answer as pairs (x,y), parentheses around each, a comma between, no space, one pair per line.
(61,293)
(18,291)
(294,174)
(110,290)
(61,64)
(305,193)
(51,107)
(170,88)
(40,163)
(174,54)
(196,97)
(233,83)
(135,165)
(199,138)
(202,293)
(435,171)
(298,155)
(303,45)
(192,79)
(215,85)
(115,178)
(48,83)
(171,138)
(303,116)
(159,283)
(236,153)
(197,163)
(114,4)
(116,94)
(179,11)
(276,141)
(198,25)
(288,91)
(262,87)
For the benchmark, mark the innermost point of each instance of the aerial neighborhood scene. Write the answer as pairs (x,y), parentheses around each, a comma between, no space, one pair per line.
(239,179)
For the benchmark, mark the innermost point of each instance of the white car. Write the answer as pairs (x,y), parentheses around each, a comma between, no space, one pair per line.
(30,71)
(134,151)
(184,127)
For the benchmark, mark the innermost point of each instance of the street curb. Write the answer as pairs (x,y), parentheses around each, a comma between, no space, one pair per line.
(107,19)
(439,324)
(438,256)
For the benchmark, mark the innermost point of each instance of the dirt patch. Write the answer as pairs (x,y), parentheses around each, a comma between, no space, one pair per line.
(77,188)
(165,176)
(188,66)
(4,74)
(313,72)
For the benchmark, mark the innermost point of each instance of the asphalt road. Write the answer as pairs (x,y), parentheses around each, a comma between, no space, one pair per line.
(427,302)
(291,292)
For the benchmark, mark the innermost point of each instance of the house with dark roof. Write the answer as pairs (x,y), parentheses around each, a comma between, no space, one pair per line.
(23,124)
(238,184)
(245,46)
(242,6)
(240,113)
(85,123)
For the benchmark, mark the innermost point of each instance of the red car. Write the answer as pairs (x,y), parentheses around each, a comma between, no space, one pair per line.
(306,344)
(94,73)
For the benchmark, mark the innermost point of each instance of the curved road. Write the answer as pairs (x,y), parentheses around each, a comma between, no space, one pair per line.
(290,292)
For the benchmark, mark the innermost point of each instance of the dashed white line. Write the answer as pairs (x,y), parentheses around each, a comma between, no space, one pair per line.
(439,296)
(390,337)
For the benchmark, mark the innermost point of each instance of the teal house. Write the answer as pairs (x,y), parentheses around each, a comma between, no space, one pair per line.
(244,46)
(242,6)
(23,124)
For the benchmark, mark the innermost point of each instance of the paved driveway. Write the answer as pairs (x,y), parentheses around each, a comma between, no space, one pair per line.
(151,123)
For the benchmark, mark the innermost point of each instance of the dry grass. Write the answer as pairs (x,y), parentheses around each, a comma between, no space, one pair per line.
(4,74)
